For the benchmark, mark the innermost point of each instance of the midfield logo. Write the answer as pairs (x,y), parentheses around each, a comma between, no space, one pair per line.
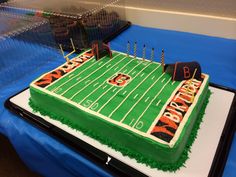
(119,80)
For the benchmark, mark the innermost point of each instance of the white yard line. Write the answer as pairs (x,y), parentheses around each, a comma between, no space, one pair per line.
(151,102)
(132,91)
(96,79)
(87,76)
(141,97)
(103,83)
(122,87)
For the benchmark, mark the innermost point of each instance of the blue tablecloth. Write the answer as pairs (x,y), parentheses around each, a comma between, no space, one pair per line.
(49,157)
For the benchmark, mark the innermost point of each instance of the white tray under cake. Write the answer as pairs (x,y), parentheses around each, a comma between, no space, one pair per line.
(203,149)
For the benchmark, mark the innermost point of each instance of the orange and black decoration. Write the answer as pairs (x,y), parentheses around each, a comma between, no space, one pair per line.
(119,80)
(64,69)
(101,49)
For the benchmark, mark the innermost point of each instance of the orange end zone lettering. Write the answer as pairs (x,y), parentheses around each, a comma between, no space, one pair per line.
(174,112)
(66,68)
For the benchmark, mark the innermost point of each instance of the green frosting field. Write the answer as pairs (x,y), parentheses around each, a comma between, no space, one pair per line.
(128,143)
(147,151)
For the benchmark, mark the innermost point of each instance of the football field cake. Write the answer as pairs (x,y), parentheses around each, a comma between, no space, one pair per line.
(127,103)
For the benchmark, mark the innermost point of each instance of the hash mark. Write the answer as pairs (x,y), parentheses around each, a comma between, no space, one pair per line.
(124,92)
(114,89)
(78,78)
(163,80)
(147,99)
(134,72)
(104,87)
(116,68)
(108,65)
(142,75)
(96,84)
(153,77)
(135,96)
(58,90)
(173,83)
(125,70)
(158,102)
(87,81)
(100,63)
(71,75)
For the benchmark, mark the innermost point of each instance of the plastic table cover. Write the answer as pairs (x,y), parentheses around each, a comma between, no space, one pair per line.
(49,157)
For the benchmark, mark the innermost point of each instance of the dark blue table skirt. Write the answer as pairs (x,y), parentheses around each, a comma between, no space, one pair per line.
(49,157)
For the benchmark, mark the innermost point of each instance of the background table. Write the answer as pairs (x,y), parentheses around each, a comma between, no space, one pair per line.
(46,155)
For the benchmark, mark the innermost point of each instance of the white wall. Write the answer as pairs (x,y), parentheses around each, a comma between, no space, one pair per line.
(201,24)
(149,13)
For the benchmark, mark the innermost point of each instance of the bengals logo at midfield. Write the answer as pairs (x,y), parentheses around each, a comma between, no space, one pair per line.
(119,80)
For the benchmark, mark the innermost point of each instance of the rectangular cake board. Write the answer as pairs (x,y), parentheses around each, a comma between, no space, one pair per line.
(204,152)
